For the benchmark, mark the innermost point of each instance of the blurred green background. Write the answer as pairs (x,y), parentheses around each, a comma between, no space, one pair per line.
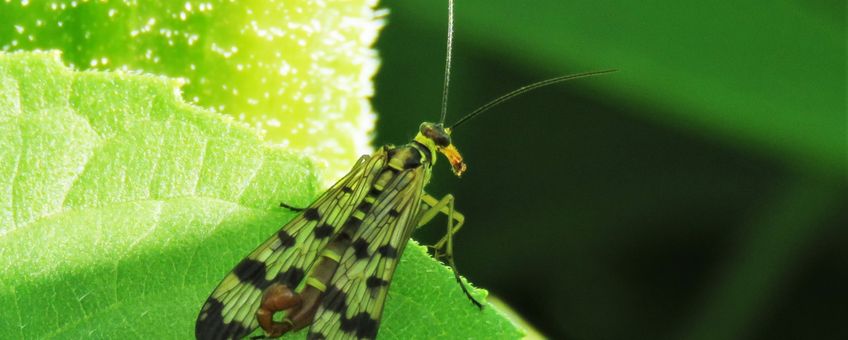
(698,193)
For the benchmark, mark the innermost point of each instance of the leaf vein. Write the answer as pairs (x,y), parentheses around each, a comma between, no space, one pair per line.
(202,164)
(12,192)
(18,311)
(85,318)
(252,176)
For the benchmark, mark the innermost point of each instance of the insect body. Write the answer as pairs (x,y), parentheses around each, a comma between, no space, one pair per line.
(331,266)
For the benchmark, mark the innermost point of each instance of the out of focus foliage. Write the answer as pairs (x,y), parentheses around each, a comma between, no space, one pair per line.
(300,70)
(698,193)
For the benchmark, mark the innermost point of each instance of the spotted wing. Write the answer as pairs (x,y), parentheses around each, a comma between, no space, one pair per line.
(353,303)
(229,313)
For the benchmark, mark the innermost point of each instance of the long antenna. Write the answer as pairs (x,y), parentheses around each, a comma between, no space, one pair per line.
(447,63)
(523,90)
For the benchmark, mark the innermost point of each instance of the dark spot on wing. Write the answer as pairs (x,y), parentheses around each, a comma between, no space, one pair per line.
(291,277)
(344,236)
(388,251)
(323,231)
(394,213)
(360,248)
(335,300)
(251,271)
(347,189)
(364,207)
(210,323)
(374,192)
(311,214)
(362,325)
(286,240)
(352,224)
(374,282)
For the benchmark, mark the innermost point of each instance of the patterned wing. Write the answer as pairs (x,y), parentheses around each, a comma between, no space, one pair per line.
(353,303)
(229,313)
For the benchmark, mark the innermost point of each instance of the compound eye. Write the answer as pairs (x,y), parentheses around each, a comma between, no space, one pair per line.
(436,133)
(441,140)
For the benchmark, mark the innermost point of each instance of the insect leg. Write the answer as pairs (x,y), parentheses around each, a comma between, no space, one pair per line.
(444,248)
(283,205)
(440,206)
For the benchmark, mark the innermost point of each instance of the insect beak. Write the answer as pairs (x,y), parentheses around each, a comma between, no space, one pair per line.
(455,159)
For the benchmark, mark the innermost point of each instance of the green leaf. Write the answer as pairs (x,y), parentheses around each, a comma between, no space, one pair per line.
(122,207)
(267,63)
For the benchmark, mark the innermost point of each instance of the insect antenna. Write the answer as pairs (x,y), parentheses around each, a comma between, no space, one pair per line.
(447,64)
(523,90)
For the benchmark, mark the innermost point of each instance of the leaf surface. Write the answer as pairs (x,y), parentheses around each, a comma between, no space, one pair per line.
(121,208)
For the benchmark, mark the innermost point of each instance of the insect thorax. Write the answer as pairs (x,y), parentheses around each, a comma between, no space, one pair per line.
(409,156)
